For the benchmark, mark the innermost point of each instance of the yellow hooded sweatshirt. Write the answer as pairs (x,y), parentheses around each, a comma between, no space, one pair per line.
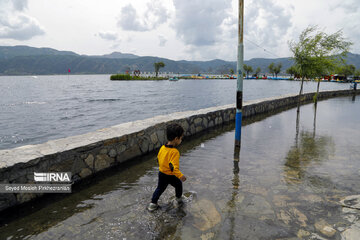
(168,158)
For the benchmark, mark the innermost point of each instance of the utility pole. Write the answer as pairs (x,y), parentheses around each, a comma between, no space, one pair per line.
(239,91)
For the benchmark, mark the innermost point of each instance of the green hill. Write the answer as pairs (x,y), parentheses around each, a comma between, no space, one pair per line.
(23,60)
(17,51)
(119,55)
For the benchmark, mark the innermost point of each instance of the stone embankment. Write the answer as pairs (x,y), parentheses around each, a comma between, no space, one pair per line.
(87,154)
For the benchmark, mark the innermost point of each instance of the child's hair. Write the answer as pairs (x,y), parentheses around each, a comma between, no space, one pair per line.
(174,130)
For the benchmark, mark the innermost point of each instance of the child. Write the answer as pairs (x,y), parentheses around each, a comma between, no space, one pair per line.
(168,159)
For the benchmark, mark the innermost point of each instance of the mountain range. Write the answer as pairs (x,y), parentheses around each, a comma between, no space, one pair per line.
(24,60)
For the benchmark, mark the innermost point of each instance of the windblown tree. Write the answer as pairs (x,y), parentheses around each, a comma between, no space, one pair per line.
(317,53)
(248,69)
(292,71)
(277,69)
(257,71)
(357,73)
(347,70)
(157,67)
(271,68)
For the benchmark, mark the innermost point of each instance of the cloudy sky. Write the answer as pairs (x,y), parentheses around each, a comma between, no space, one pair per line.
(174,29)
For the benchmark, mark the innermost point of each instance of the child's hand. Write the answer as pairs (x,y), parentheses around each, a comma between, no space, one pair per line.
(183,178)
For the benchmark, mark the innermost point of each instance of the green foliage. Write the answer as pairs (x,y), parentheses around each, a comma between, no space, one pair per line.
(120,77)
(357,73)
(257,71)
(248,69)
(275,70)
(157,66)
(293,71)
(232,71)
(317,53)
(346,70)
(126,77)
(271,68)
(315,97)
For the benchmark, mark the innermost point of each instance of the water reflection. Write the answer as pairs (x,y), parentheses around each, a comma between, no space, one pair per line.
(315,111)
(236,184)
(307,150)
(231,204)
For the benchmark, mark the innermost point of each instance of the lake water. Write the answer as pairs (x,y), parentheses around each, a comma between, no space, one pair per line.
(293,172)
(34,110)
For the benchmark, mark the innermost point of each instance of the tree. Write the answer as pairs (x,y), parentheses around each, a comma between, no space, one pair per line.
(247,69)
(357,73)
(271,68)
(257,71)
(277,69)
(292,71)
(157,67)
(347,70)
(232,71)
(316,53)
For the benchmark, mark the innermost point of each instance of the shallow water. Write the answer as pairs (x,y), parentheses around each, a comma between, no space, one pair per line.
(288,183)
(35,110)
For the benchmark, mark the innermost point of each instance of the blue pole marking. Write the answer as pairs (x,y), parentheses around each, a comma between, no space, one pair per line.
(238,119)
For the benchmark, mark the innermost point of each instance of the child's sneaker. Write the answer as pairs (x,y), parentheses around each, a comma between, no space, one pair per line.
(152,207)
(180,200)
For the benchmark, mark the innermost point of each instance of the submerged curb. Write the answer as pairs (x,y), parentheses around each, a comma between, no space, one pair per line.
(87,154)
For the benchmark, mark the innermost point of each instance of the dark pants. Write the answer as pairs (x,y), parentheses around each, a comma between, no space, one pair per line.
(164,181)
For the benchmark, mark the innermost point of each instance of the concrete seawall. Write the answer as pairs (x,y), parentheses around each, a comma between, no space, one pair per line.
(87,154)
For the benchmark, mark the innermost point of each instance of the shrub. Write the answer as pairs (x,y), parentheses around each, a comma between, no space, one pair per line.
(128,77)
(120,77)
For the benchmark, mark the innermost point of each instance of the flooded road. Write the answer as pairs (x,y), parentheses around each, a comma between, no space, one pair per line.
(298,177)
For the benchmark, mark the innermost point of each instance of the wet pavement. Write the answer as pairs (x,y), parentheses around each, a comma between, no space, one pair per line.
(297,178)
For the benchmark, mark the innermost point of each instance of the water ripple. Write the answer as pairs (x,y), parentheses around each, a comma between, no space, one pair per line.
(106,100)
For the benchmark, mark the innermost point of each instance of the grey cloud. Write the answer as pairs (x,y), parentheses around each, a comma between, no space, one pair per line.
(349,6)
(348,21)
(155,14)
(129,19)
(198,22)
(14,24)
(202,25)
(266,23)
(20,5)
(111,36)
(20,27)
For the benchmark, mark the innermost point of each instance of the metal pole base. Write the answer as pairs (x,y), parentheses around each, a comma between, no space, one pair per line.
(237,151)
